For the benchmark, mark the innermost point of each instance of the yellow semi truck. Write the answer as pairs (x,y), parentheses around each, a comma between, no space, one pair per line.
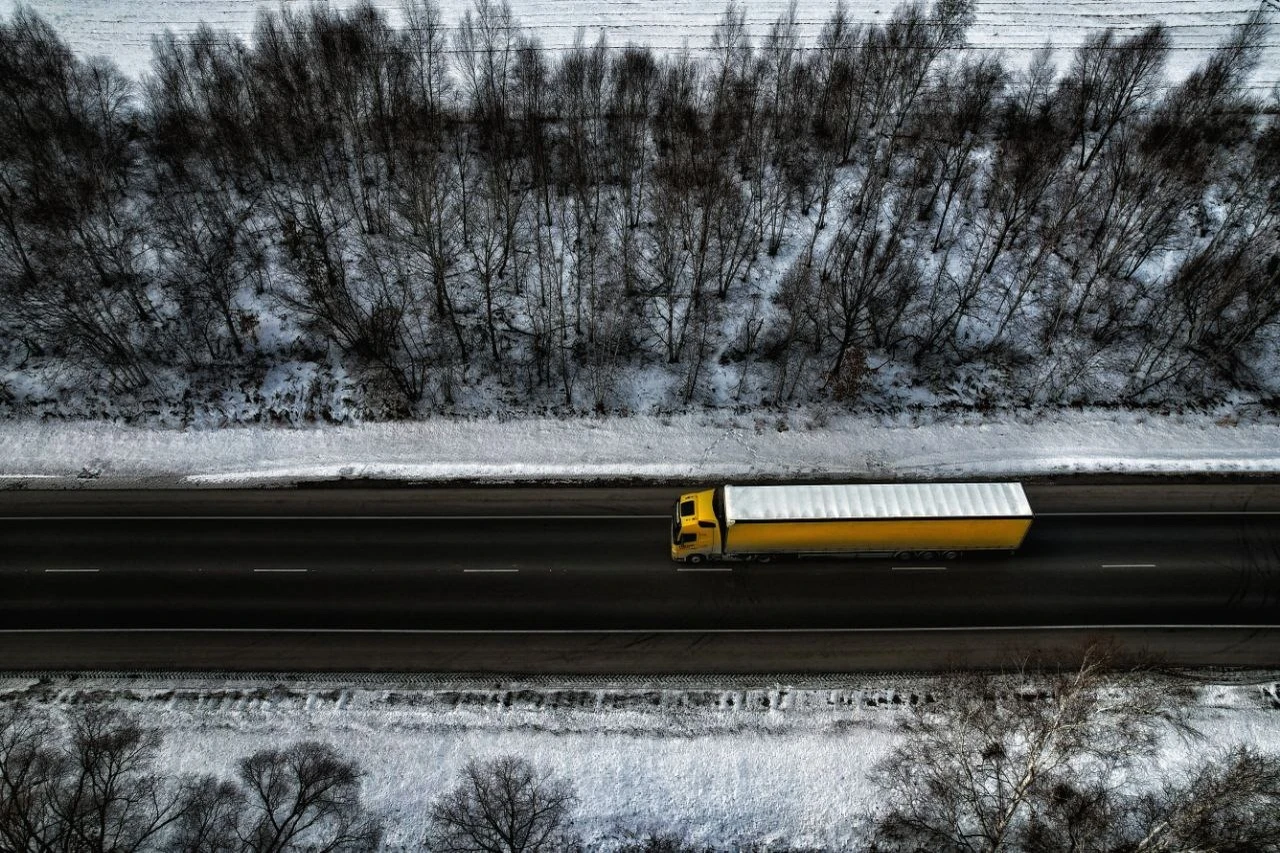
(904,520)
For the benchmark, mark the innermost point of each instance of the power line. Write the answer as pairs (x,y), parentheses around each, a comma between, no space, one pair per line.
(711,25)
(760,47)
(544,48)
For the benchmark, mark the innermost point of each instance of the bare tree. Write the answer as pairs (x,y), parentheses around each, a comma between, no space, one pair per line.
(1204,319)
(32,769)
(1029,150)
(203,196)
(1208,109)
(954,127)
(774,152)
(1217,302)
(1230,802)
(93,790)
(432,157)
(632,102)
(71,244)
(990,765)
(1022,224)
(437,210)
(92,786)
(210,818)
(503,805)
(488,48)
(304,797)
(1110,79)
(839,92)
(323,88)
(797,335)
(871,273)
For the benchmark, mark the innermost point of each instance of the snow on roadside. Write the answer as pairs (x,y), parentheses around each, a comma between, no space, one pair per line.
(798,445)
(725,763)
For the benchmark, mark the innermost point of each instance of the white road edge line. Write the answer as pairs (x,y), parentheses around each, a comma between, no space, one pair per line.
(522,631)
(727,569)
(69,571)
(918,568)
(282,570)
(1160,512)
(666,516)
(1128,565)
(487,571)
(614,517)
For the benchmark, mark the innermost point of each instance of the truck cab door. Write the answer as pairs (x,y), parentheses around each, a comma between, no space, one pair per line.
(707,537)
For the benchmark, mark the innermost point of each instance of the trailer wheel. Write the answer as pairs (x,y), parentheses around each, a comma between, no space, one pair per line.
(764,558)
(695,559)
(950,555)
(927,555)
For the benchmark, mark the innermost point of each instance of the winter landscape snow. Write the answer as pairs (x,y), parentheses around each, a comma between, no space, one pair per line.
(907,243)
(123,31)
(348,213)
(794,445)
(741,764)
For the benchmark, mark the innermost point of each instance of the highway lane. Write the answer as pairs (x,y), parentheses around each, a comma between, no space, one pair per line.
(210,579)
(612,573)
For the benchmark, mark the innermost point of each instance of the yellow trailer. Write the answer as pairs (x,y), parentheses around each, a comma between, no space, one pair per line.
(903,519)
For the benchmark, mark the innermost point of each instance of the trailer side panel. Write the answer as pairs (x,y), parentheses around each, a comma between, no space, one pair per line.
(851,536)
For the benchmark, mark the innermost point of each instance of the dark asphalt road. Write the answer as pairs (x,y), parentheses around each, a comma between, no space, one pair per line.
(509,560)
(554,573)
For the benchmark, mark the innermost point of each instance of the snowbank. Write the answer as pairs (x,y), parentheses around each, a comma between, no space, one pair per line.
(738,764)
(794,446)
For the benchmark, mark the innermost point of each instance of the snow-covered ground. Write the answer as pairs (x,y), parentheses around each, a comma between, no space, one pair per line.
(719,445)
(123,30)
(715,446)
(726,761)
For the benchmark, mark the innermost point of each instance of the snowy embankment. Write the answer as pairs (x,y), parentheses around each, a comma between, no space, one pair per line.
(1016,27)
(729,763)
(798,445)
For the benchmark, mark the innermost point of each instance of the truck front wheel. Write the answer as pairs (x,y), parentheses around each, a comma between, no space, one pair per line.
(695,559)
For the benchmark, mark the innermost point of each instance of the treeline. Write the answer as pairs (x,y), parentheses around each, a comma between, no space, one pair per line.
(93,785)
(451,213)
(1098,757)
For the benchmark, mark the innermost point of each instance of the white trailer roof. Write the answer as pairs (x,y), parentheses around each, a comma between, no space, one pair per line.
(900,500)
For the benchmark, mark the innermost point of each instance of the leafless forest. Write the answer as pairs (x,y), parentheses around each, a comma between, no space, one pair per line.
(1029,760)
(446,217)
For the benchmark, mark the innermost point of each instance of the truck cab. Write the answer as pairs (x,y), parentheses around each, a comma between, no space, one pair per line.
(695,532)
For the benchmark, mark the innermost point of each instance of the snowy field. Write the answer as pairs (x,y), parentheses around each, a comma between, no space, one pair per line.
(732,763)
(798,446)
(123,30)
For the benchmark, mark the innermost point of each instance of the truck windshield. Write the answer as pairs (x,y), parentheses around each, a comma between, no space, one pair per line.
(675,525)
